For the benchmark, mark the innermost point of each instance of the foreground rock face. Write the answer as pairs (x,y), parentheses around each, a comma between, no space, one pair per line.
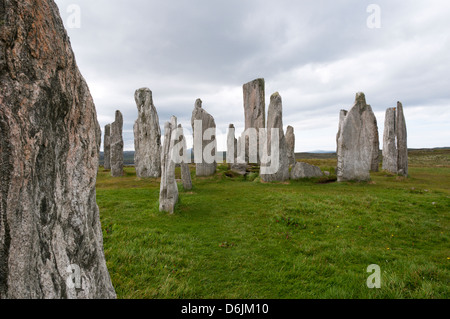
(290,145)
(204,167)
(304,170)
(402,141)
(358,142)
(107,147)
(49,149)
(147,136)
(275,121)
(254,108)
(117,146)
(168,195)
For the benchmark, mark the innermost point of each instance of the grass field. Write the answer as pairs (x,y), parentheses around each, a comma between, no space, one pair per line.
(233,237)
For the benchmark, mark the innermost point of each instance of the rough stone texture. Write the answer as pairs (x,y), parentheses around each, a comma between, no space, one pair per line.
(254,109)
(199,114)
(290,145)
(275,121)
(232,150)
(390,154)
(49,149)
(168,196)
(358,144)
(374,137)
(107,147)
(147,136)
(185,171)
(402,141)
(117,146)
(304,170)
(342,116)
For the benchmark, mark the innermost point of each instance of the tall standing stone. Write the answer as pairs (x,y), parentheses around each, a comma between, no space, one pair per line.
(168,195)
(117,146)
(342,116)
(275,121)
(204,148)
(49,153)
(290,145)
(402,141)
(185,170)
(232,150)
(254,109)
(107,147)
(358,144)
(147,136)
(375,138)
(390,154)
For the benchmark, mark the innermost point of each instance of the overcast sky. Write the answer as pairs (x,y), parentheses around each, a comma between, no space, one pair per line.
(316,54)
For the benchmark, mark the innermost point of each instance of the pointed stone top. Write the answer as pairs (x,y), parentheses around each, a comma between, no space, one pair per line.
(198,103)
(275,96)
(142,94)
(119,116)
(360,98)
(173,121)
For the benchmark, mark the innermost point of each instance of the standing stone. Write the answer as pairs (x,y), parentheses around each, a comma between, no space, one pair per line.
(402,141)
(208,147)
(275,121)
(231,145)
(374,137)
(147,136)
(254,109)
(117,146)
(390,154)
(358,144)
(107,148)
(49,153)
(342,116)
(168,196)
(239,166)
(185,170)
(304,170)
(290,145)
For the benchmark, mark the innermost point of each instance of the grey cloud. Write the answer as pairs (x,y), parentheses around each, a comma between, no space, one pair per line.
(317,54)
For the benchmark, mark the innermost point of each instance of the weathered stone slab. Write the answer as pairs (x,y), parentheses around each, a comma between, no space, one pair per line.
(390,155)
(147,136)
(402,141)
(303,170)
(168,196)
(290,145)
(185,171)
(49,152)
(107,147)
(254,109)
(204,148)
(358,143)
(278,158)
(117,146)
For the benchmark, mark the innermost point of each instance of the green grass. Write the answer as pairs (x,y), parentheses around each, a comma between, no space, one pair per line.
(233,237)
